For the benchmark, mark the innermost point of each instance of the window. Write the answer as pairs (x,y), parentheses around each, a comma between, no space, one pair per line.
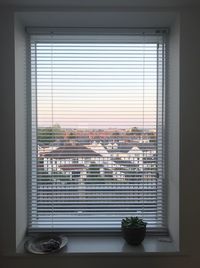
(97,134)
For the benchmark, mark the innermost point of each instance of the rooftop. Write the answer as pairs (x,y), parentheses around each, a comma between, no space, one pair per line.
(72,152)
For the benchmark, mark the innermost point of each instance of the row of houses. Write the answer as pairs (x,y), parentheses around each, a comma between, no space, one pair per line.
(78,162)
(77,178)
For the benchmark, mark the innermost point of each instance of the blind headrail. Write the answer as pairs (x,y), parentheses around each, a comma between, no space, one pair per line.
(96,30)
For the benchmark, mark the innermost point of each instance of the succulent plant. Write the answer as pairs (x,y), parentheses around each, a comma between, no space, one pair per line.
(135,222)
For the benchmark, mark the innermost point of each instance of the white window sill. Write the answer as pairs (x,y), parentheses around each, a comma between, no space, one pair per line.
(112,245)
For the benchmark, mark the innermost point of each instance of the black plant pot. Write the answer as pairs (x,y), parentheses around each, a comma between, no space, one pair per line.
(134,236)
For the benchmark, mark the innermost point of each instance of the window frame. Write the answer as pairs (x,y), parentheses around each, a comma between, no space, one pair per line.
(164,130)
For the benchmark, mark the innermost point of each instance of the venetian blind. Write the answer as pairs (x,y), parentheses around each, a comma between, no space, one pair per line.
(96,128)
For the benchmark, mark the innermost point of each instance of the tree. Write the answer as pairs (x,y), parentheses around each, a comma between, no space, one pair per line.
(93,174)
(152,137)
(71,136)
(46,135)
(134,131)
(115,133)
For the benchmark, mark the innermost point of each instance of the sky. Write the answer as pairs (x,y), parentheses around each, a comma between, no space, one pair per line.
(101,85)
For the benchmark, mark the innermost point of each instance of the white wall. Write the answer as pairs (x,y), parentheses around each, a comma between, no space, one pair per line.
(20,131)
(173,126)
(189,158)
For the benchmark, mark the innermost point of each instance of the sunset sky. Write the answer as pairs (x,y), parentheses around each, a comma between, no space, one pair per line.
(96,86)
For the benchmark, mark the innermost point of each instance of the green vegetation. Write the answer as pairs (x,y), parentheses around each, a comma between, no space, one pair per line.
(133,222)
(47,135)
(152,137)
(115,133)
(93,174)
(133,131)
(71,136)
(93,171)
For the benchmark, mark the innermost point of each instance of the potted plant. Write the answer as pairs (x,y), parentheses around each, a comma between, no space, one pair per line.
(133,230)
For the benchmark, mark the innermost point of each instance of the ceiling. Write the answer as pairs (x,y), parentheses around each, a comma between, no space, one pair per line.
(102,3)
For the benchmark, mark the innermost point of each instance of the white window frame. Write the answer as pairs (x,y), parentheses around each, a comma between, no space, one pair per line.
(164,144)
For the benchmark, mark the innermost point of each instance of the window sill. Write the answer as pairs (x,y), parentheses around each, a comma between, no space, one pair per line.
(112,245)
